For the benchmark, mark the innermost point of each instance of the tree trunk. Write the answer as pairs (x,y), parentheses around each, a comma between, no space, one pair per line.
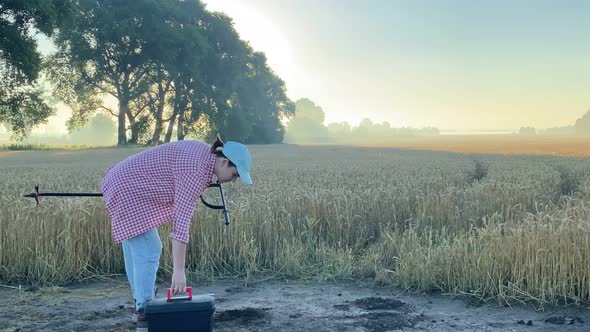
(122,132)
(179,106)
(159,126)
(134,130)
(170,127)
(180,126)
(134,135)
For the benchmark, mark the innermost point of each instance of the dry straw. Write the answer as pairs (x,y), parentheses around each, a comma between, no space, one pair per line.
(504,228)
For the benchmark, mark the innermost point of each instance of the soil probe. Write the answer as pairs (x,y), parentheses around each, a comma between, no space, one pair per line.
(223,207)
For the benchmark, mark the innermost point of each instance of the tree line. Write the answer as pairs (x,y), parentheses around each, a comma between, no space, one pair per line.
(307,125)
(580,128)
(173,67)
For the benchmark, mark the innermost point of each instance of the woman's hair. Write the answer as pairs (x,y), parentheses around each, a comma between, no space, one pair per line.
(216,149)
(218,144)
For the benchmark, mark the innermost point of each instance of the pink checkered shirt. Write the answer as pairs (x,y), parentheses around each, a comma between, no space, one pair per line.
(155,186)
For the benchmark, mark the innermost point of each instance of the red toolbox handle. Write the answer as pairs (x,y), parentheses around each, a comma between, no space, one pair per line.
(169,297)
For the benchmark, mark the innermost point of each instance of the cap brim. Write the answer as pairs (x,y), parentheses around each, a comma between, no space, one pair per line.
(245,176)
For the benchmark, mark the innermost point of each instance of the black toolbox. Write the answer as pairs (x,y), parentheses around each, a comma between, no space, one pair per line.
(181,314)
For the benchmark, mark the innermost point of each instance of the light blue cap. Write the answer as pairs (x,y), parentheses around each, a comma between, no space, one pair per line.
(238,154)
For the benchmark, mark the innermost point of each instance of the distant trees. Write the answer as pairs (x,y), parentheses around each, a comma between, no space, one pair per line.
(308,122)
(582,125)
(307,125)
(527,131)
(99,130)
(338,130)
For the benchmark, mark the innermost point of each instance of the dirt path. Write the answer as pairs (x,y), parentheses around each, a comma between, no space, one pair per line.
(279,306)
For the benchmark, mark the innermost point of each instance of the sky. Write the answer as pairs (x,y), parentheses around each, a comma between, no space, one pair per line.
(451,64)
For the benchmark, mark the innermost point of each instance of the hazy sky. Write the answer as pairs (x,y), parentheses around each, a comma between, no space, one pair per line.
(459,64)
(451,64)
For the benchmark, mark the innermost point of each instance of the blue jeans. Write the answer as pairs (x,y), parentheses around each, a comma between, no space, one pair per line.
(142,257)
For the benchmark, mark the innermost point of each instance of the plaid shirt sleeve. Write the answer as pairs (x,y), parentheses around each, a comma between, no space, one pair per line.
(187,187)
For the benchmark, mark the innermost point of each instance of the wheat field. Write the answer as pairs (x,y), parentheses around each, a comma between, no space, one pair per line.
(502,228)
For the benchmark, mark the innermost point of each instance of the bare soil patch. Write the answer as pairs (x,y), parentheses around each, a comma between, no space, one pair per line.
(282,306)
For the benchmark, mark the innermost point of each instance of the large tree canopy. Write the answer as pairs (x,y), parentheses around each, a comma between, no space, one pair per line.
(171,65)
(21,102)
(104,54)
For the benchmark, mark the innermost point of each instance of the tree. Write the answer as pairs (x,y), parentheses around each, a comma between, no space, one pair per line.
(307,123)
(215,94)
(527,131)
(22,104)
(582,125)
(235,92)
(364,129)
(264,99)
(382,130)
(100,129)
(102,53)
(172,66)
(175,50)
(339,130)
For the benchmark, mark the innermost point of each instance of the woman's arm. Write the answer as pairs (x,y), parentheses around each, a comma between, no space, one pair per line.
(178,284)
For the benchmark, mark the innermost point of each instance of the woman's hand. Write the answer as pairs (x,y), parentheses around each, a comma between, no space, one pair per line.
(178,285)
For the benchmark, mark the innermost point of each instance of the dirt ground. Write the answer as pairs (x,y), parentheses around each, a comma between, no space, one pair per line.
(268,305)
